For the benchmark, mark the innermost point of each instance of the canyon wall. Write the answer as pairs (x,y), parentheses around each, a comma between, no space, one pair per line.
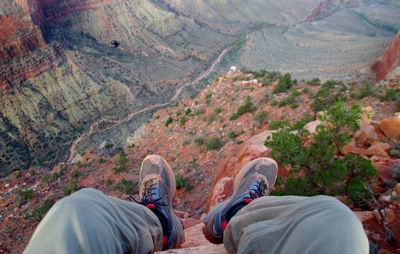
(59,71)
(389,60)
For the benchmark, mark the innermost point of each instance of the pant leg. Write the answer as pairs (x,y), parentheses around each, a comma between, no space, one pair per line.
(292,224)
(89,221)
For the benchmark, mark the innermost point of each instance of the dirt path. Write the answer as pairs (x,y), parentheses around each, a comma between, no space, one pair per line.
(115,123)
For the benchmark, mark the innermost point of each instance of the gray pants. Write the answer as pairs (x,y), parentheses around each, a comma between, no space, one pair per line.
(89,221)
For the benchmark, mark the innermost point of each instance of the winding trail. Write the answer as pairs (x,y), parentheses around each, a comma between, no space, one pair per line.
(93,128)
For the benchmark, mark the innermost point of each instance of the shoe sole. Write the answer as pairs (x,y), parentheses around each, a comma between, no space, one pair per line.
(271,175)
(161,162)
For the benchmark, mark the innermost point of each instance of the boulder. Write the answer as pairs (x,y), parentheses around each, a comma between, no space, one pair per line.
(352,148)
(378,149)
(312,126)
(391,128)
(397,189)
(366,135)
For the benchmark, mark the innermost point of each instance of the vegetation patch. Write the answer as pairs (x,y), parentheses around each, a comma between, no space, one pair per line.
(314,167)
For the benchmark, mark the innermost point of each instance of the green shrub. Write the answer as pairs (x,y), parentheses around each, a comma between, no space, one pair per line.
(101,161)
(248,106)
(188,112)
(71,188)
(314,82)
(333,83)
(217,110)
(75,174)
(284,84)
(325,98)
(208,96)
(18,174)
(56,175)
(42,210)
(366,90)
(182,181)
(261,117)
(179,112)
(274,125)
(273,75)
(125,186)
(198,112)
(199,141)
(232,134)
(169,120)
(234,116)
(25,194)
(213,144)
(391,95)
(182,120)
(314,168)
(121,163)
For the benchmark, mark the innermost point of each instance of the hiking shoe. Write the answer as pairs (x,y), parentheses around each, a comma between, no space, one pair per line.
(157,190)
(254,180)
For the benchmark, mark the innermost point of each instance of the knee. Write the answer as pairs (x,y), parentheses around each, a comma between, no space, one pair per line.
(77,199)
(335,208)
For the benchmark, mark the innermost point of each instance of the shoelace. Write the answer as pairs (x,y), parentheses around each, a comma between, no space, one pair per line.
(256,191)
(148,199)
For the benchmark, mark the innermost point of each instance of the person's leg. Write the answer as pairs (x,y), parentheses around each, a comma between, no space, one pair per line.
(292,224)
(246,222)
(89,221)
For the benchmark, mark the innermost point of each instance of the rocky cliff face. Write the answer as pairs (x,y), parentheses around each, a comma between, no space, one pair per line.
(389,60)
(21,24)
(59,71)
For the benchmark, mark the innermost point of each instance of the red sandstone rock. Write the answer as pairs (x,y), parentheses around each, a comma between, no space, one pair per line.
(312,126)
(397,189)
(378,149)
(352,148)
(364,215)
(366,135)
(389,60)
(391,128)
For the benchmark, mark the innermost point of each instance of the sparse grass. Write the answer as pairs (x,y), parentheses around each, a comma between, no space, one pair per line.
(213,144)
(284,84)
(121,163)
(217,110)
(75,174)
(198,112)
(182,181)
(42,210)
(199,141)
(274,125)
(314,82)
(71,188)
(25,195)
(182,120)
(168,122)
(261,117)
(232,134)
(125,186)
